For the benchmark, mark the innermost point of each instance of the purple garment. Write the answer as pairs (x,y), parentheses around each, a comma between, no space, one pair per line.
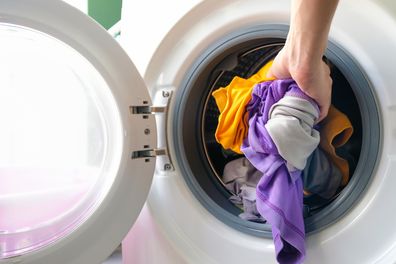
(279,192)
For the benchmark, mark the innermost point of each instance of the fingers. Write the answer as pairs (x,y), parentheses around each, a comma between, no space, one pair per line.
(313,79)
(324,110)
(325,96)
(279,68)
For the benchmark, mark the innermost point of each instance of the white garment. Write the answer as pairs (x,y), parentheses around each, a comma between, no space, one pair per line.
(290,126)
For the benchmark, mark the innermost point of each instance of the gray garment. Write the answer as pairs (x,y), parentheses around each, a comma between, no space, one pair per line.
(247,198)
(240,172)
(321,176)
(291,128)
(241,177)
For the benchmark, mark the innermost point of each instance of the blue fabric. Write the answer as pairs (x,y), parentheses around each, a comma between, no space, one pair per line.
(321,176)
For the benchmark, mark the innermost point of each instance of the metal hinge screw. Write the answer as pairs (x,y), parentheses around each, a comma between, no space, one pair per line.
(165,93)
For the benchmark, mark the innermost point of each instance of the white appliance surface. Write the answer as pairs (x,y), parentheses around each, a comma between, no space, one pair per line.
(145,23)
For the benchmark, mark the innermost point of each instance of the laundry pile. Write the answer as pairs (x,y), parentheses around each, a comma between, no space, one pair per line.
(286,155)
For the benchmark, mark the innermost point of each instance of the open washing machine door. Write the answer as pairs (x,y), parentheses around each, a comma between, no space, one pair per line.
(77,143)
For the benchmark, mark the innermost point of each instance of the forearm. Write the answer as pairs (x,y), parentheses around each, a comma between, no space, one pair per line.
(301,57)
(309,28)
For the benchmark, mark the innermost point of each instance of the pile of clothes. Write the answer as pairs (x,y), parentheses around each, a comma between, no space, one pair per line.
(286,154)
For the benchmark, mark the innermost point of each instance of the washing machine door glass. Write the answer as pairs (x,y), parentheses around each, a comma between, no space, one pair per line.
(73,169)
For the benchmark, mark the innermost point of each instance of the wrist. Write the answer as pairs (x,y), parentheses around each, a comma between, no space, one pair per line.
(305,47)
(302,61)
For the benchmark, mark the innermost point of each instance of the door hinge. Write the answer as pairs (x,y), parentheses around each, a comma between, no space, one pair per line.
(148,153)
(136,110)
(160,110)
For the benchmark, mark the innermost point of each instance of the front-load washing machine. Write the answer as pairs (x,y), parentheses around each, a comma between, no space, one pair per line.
(188,217)
(83,135)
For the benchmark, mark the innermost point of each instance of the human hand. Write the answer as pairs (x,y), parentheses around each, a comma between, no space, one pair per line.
(312,75)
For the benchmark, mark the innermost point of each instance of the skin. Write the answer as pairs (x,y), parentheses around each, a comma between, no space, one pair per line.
(301,57)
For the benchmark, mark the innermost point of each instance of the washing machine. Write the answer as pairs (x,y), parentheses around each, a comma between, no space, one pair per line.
(188,217)
(86,141)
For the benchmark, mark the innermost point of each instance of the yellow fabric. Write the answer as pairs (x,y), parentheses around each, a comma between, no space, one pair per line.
(231,100)
(336,129)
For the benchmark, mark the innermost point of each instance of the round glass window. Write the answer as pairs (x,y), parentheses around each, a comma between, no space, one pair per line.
(58,125)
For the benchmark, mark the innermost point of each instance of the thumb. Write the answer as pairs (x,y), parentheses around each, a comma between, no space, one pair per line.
(278,70)
(270,74)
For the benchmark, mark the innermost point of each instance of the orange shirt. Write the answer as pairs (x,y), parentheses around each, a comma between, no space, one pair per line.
(232,100)
(336,130)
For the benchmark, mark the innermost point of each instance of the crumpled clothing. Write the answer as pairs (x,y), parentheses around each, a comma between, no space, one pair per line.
(240,177)
(231,100)
(336,130)
(280,190)
(247,199)
(240,172)
(321,176)
(290,128)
